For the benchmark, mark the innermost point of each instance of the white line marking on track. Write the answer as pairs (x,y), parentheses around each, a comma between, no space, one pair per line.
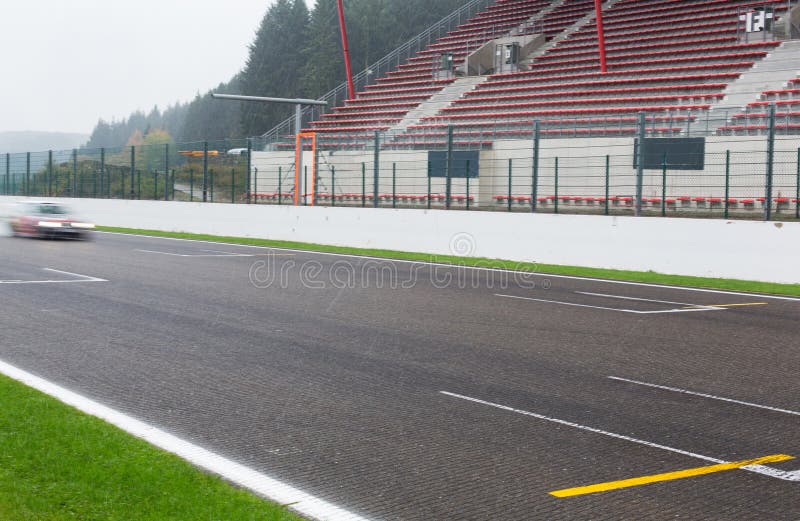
(300,501)
(78,278)
(758,469)
(218,254)
(621,310)
(704,395)
(638,299)
(476,268)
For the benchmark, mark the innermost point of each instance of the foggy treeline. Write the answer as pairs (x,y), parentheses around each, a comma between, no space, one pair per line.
(295,53)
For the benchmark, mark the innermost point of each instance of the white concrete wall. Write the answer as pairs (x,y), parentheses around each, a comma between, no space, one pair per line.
(714,248)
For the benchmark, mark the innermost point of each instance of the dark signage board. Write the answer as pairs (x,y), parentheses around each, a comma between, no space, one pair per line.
(681,153)
(438,162)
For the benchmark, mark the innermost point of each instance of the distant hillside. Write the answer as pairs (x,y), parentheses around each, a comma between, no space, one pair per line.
(30,141)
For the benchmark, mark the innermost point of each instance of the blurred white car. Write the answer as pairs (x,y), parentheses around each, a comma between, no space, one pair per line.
(47,220)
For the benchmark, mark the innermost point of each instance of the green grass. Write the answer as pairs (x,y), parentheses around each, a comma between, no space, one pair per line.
(633,276)
(57,463)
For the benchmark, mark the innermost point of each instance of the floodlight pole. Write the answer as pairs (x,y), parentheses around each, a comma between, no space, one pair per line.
(345,48)
(298,122)
(601,39)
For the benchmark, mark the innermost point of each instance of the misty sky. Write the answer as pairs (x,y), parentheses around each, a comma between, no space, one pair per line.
(67,63)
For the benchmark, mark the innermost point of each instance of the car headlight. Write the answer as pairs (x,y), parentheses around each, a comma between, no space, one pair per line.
(49,224)
(83,226)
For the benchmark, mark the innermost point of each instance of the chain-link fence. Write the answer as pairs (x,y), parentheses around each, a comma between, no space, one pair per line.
(557,166)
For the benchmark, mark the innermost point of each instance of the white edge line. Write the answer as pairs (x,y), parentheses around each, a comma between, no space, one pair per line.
(480,268)
(621,310)
(196,255)
(704,395)
(589,293)
(758,469)
(87,278)
(261,484)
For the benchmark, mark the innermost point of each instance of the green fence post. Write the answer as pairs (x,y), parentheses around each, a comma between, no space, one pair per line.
(510,182)
(211,184)
(191,185)
(8,173)
(166,170)
(28,174)
(770,161)
(94,183)
(205,171)
(448,184)
(75,171)
(249,168)
(233,185)
(797,189)
(467,178)
(664,186)
(429,184)
(305,185)
(555,180)
(280,184)
(333,185)
(608,183)
(394,185)
(155,185)
(535,166)
(363,185)
(133,172)
(727,181)
(103,188)
(138,184)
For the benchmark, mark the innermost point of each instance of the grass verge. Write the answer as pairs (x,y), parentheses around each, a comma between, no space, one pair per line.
(577,271)
(57,463)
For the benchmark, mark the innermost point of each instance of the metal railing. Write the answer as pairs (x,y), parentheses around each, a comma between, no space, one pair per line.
(378,69)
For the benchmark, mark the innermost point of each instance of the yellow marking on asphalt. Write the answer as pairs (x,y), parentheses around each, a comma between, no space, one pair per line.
(655,478)
(743,304)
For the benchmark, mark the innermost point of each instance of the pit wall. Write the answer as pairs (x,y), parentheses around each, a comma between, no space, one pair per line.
(581,170)
(708,248)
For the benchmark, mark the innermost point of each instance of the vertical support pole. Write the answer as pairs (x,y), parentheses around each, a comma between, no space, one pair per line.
(376,169)
(138,184)
(28,173)
(172,184)
(280,184)
(233,185)
(299,188)
(345,48)
(429,184)
(608,183)
(601,39)
(8,173)
(770,161)
(75,171)
(637,203)
(166,171)
(50,173)
(363,185)
(448,186)
(664,186)
(249,168)
(394,185)
(155,185)
(333,185)
(510,182)
(555,186)
(467,176)
(211,184)
(305,184)
(191,184)
(535,166)
(797,188)
(727,181)
(205,171)
(133,172)
(103,188)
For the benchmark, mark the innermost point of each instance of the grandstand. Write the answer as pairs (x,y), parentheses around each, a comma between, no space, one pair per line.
(688,67)
(672,59)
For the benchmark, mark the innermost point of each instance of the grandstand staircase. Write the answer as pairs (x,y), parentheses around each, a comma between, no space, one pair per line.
(770,74)
(443,98)
(566,33)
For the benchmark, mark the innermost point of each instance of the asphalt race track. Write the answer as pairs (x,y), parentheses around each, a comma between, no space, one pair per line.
(403,390)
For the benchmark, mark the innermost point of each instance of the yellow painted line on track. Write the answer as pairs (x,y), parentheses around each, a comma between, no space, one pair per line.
(668,476)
